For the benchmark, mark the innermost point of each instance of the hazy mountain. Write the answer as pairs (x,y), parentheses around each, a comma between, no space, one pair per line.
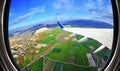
(74,23)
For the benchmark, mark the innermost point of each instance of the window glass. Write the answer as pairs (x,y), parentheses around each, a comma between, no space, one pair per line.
(61,35)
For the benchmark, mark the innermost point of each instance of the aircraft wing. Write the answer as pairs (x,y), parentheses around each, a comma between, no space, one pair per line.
(104,36)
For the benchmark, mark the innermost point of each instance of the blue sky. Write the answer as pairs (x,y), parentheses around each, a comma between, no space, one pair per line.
(28,12)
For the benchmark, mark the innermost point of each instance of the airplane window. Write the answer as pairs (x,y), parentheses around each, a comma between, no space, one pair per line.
(61,35)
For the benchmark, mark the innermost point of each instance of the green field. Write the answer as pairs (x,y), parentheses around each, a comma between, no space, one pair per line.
(48,39)
(93,43)
(66,55)
(70,67)
(57,66)
(51,36)
(36,66)
(79,37)
(27,61)
(104,54)
(42,49)
(62,55)
(70,51)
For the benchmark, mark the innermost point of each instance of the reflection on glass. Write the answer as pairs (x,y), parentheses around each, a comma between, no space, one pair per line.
(61,35)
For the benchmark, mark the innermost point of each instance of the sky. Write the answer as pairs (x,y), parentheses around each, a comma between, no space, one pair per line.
(29,12)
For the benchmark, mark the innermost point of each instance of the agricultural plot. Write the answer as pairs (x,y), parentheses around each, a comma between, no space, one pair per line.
(42,49)
(104,54)
(27,61)
(48,39)
(80,53)
(78,37)
(95,44)
(51,65)
(73,51)
(70,67)
(62,55)
(66,54)
(56,50)
(31,55)
(36,66)
(51,36)
(20,65)
(39,44)
(59,66)
(54,31)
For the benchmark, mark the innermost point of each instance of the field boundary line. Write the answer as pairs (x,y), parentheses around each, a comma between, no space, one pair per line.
(65,62)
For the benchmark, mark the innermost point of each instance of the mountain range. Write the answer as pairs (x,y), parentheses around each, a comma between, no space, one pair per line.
(73,23)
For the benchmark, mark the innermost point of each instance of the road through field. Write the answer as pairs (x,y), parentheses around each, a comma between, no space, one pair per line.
(42,54)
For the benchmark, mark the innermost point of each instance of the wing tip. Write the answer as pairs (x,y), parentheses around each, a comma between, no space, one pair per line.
(60,25)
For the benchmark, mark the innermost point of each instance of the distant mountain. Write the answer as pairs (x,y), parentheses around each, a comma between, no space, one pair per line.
(88,23)
(75,23)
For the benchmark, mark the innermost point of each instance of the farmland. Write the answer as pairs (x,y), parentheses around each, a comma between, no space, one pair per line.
(70,52)
(47,64)
(36,66)
(93,43)
(57,50)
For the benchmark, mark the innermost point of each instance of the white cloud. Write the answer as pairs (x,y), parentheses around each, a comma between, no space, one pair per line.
(90,5)
(97,9)
(102,11)
(67,5)
(38,9)
(29,14)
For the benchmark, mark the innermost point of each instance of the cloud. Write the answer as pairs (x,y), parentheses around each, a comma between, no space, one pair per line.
(90,5)
(101,9)
(59,13)
(29,14)
(92,9)
(23,17)
(104,15)
(39,9)
(67,5)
